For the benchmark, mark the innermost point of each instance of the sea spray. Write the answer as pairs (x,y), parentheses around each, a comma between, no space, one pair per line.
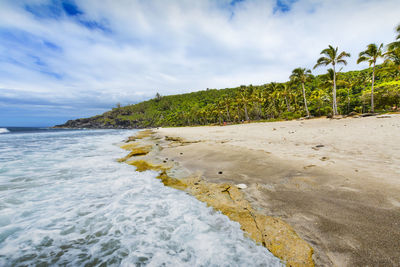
(64,199)
(4,130)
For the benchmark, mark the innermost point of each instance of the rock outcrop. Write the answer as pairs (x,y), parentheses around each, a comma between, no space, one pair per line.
(273,233)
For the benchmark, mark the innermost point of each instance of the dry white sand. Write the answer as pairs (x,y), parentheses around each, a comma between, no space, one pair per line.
(337,182)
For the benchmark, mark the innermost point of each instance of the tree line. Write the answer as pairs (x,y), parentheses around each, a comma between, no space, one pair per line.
(375,89)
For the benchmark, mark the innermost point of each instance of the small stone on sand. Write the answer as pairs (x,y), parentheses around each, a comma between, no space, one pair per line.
(241,186)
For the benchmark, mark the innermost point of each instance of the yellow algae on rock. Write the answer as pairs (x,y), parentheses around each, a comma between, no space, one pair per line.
(129,146)
(140,151)
(281,239)
(173,139)
(273,233)
(172,182)
(142,165)
(140,135)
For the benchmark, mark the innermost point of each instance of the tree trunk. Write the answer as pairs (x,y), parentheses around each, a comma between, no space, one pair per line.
(287,104)
(348,100)
(372,89)
(334,105)
(305,100)
(245,112)
(227,114)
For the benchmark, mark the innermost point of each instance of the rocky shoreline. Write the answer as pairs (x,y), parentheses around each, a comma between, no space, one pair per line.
(272,232)
(98,122)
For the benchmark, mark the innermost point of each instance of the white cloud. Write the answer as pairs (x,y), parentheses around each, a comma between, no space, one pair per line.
(178,46)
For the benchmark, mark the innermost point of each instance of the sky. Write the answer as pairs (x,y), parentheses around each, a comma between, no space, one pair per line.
(62,60)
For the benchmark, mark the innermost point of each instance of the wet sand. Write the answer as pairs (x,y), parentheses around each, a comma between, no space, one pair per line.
(336,182)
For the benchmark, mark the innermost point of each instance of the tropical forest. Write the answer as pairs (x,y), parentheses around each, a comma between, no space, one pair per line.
(333,94)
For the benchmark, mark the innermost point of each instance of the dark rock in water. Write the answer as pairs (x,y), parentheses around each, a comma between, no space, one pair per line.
(220,172)
(181,153)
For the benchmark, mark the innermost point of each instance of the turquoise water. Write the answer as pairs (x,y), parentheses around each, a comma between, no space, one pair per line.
(64,200)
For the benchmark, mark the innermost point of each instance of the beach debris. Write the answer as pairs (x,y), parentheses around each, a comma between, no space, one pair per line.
(352,114)
(317,147)
(384,116)
(241,186)
(173,139)
(181,153)
(273,129)
(368,114)
(309,166)
(324,158)
(220,172)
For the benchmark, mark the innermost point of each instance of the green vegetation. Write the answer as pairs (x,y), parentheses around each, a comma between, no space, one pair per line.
(371,54)
(376,88)
(332,57)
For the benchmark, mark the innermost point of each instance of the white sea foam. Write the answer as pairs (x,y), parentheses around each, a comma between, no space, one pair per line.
(65,200)
(4,130)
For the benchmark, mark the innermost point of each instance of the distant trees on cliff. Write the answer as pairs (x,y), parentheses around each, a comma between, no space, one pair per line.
(376,88)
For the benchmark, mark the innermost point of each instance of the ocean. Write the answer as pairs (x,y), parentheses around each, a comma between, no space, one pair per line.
(65,200)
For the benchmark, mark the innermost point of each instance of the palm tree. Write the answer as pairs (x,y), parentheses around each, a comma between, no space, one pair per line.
(392,61)
(301,75)
(286,94)
(395,44)
(226,102)
(243,93)
(371,54)
(271,104)
(258,99)
(332,57)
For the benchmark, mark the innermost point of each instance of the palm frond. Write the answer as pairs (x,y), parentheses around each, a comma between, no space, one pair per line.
(323,61)
(342,55)
(362,59)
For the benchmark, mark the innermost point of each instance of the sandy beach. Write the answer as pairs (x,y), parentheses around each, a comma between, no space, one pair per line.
(336,182)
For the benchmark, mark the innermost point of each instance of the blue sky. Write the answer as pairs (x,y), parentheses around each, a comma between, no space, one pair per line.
(62,60)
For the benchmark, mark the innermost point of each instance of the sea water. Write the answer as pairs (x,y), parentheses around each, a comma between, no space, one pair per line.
(65,200)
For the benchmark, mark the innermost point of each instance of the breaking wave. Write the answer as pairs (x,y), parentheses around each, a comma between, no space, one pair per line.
(4,130)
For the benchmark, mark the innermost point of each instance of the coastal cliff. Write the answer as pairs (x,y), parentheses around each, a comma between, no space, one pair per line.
(98,122)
